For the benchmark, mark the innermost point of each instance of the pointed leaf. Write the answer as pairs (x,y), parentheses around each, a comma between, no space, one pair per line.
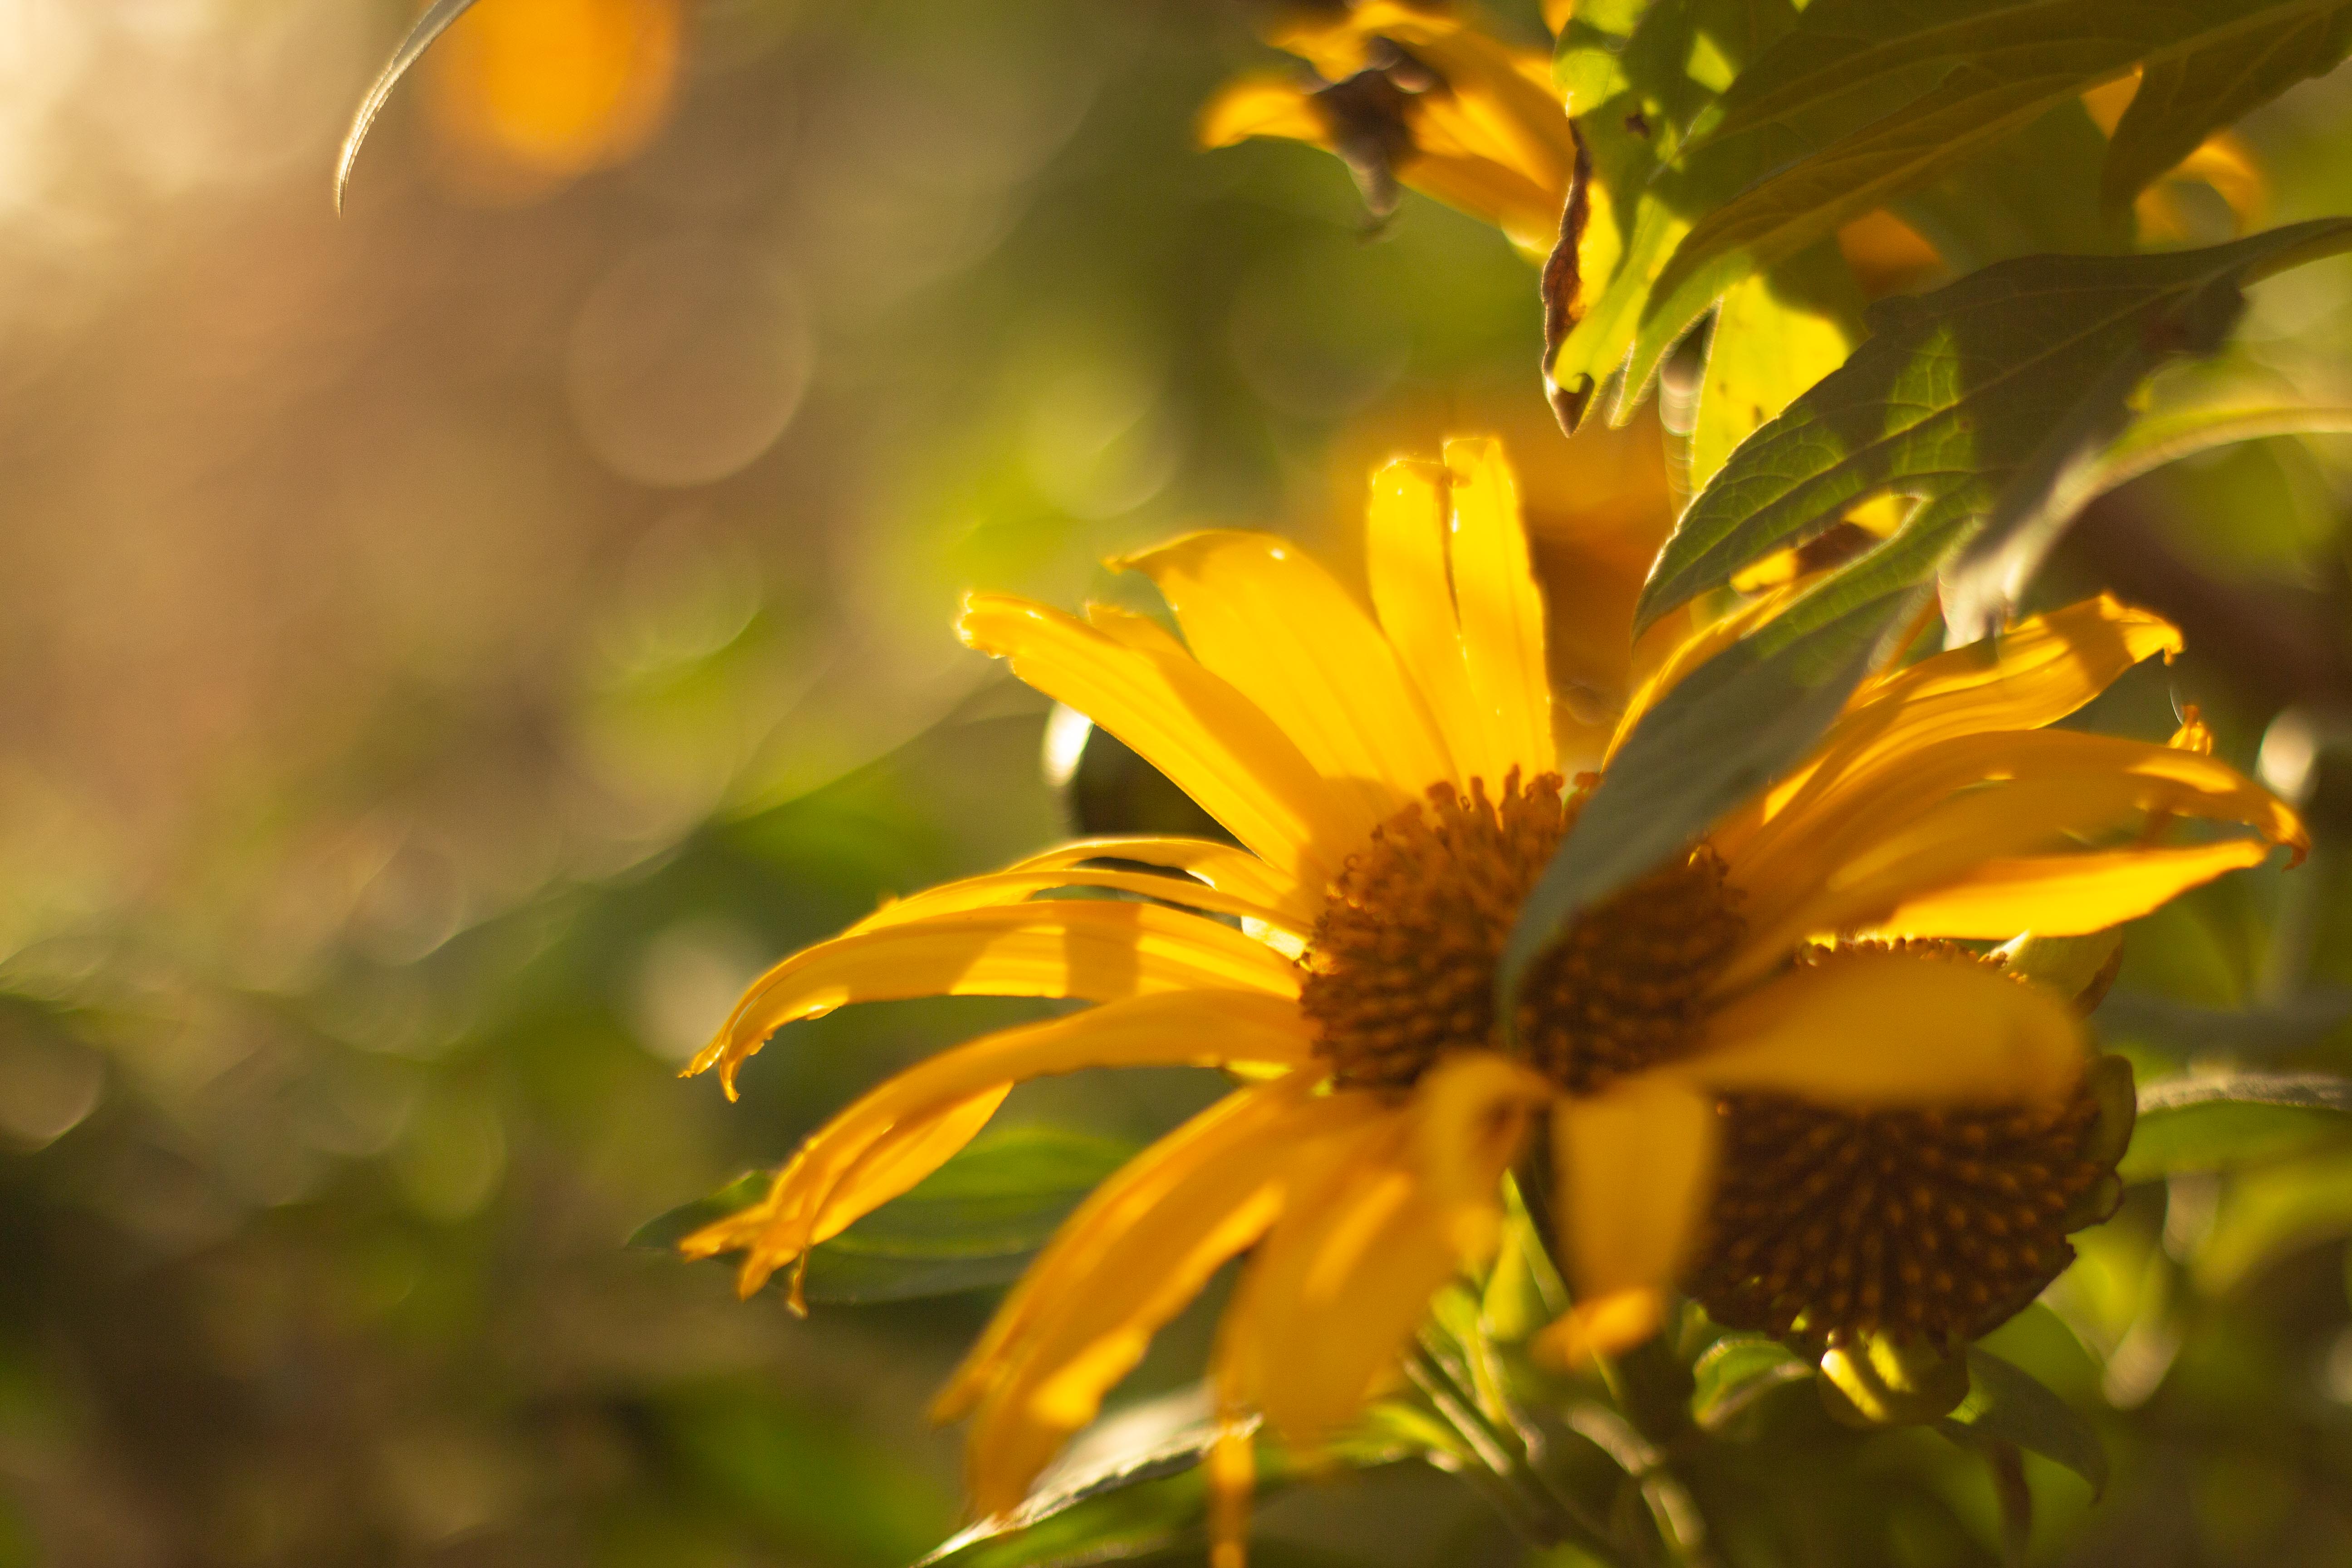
(2234,1118)
(974,1222)
(2007,1403)
(2186,98)
(1981,395)
(1733,726)
(429,26)
(1996,65)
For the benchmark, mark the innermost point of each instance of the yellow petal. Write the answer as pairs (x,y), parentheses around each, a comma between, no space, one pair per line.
(1404,556)
(845,1169)
(2033,674)
(1870,848)
(1694,651)
(1215,743)
(1636,1165)
(1266,616)
(1343,1280)
(1262,106)
(1086,948)
(1221,866)
(1501,609)
(2066,895)
(1371,1228)
(1868,1029)
(1233,1475)
(1023,882)
(1136,631)
(1470,1119)
(1601,1326)
(1137,1265)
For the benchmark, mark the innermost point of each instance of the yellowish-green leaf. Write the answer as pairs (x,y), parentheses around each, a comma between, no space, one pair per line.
(2001,65)
(1775,335)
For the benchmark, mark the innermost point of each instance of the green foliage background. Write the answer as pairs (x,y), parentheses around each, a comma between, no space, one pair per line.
(396,790)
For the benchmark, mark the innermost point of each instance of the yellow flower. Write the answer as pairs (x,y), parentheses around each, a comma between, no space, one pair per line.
(1425,97)
(1388,777)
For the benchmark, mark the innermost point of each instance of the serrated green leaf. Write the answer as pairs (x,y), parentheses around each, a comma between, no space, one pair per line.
(2008,1403)
(2002,64)
(975,1222)
(436,21)
(1736,1372)
(2032,193)
(2186,98)
(1980,396)
(2234,1118)
(1731,727)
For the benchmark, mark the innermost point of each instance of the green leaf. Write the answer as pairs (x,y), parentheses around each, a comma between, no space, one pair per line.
(2186,98)
(1982,397)
(2234,1118)
(1998,65)
(974,1222)
(1736,1372)
(2007,1403)
(1731,727)
(1637,78)
(1775,335)
(429,26)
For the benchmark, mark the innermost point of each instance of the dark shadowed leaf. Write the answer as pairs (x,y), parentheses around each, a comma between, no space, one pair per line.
(1733,726)
(973,1223)
(2008,1403)
(429,26)
(2183,99)
(2184,1028)
(2234,1118)
(1981,397)
(1736,1372)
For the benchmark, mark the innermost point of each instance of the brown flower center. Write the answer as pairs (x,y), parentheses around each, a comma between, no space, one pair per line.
(1934,1224)
(1400,966)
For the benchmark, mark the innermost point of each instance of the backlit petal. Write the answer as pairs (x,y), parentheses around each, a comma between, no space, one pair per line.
(1089,948)
(1215,743)
(1221,866)
(1122,1266)
(1635,1167)
(1866,1029)
(1501,609)
(842,1172)
(1404,557)
(2033,674)
(1925,820)
(2066,895)
(1262,614)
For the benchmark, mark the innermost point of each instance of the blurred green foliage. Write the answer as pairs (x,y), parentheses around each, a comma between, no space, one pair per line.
(438,778)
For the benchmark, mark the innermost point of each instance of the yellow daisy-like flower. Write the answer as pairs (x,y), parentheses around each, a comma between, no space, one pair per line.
(1425,97)
(1388,776)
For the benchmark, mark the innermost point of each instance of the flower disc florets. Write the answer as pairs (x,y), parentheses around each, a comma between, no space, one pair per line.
(1401,967)
(1934,1225)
